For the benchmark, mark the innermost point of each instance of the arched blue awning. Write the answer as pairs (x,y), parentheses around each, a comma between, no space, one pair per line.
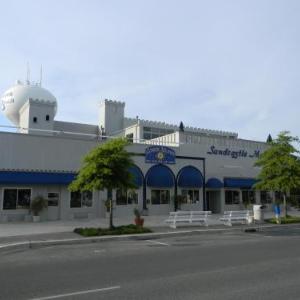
(190,177)
(239,182)
(137,175)
(16,177)
(214,183)
(160,176)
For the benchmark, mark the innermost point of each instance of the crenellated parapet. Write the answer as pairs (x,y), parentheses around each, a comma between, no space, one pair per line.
(112,102)
(189,129)
(111,116)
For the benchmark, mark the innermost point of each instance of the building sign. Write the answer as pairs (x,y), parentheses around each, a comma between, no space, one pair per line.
(159,154)
(233,154)
(7,99)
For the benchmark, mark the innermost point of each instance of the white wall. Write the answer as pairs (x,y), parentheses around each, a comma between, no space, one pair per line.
(39,110)
(49,153)
(111,116)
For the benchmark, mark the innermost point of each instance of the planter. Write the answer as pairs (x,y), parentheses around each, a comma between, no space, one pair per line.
(139,222)
(36,219)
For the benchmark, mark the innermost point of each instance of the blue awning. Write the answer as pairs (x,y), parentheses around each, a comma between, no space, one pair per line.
(239,182)
(137,176)
(190,177)
(214,183)
(160,176)
(15,177)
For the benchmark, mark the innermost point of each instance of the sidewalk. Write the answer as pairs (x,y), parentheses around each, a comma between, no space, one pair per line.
(22,232)
(12,229)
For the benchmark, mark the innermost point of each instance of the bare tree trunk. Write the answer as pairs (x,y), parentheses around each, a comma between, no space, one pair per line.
(284,205)
(111,225)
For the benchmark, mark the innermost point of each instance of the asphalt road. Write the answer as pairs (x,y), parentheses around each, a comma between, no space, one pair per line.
(263,265)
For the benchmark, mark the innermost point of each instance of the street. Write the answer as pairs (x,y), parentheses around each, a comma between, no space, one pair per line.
(261,265)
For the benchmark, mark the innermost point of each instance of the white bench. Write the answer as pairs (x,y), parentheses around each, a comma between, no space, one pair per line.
(237,216)
(188,217)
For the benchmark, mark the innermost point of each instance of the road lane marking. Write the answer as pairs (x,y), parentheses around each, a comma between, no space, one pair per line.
(99,251)
(158,243)
(78,293)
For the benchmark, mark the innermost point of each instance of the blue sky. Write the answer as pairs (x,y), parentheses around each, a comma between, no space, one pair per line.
(227,65)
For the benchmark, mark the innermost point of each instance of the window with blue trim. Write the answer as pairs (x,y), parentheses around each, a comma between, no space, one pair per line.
(160,197)
(190,196)
(232,197)
(248,197)
(81,200)
(53,199)
(126,197)
(16,198)
(265,197)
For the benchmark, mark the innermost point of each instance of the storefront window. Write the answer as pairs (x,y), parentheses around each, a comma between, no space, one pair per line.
(129,137)
(84,199)
(152,133)
(87,199)
(53,199)
(125,197)
(248,196)
(132,197)
(265,197)
(10,199)
(16,198)
(279,196)
(121,197)
(155,197)
(232,197)
(190,196)
(160,196)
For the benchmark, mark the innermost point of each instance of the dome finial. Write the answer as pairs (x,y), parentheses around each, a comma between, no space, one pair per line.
(41,75)
(28,74)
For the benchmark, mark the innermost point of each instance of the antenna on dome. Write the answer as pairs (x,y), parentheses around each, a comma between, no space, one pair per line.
(28,74)
(41,75)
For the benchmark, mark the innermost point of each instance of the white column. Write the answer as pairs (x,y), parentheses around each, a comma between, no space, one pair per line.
(241,200)
(222,200)
(257,197)
(140,198)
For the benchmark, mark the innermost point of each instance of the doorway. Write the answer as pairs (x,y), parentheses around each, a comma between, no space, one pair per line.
(213,201)
(53,198)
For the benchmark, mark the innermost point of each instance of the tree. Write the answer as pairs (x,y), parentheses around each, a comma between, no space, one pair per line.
(280,167)
(105,167)
(181,127)
(269,139)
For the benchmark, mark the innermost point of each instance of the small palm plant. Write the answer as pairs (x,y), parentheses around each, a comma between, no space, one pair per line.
(38,204)
(138,220)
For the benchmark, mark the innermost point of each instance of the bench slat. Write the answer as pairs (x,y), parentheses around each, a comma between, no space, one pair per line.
(188,217)
(242,216)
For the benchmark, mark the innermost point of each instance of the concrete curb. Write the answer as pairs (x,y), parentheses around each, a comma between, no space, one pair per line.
(21,246)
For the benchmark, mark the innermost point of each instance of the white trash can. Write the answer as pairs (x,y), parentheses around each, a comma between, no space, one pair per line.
(258,213)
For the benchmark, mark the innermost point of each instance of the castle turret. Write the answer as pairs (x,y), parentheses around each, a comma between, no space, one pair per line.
(111,118)
(15,98)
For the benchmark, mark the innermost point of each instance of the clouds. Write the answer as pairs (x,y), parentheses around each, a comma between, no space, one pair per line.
(228,65)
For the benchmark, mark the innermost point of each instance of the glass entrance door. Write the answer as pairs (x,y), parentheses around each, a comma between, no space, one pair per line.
(213,199)
(53,206)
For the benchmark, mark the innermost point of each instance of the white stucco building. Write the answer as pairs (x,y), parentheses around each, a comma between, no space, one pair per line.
(210,169)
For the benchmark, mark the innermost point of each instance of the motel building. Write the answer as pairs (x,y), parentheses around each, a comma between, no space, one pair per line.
(209,169)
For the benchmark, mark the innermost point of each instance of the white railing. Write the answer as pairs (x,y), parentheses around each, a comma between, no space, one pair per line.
(80,135)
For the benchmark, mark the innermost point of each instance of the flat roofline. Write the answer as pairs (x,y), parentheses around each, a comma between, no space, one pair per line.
(60,135)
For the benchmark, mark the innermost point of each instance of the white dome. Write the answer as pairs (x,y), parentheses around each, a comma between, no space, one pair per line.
(15,97)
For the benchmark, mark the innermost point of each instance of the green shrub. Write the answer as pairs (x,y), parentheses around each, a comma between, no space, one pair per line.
(287,220)
(119,230)
(38,204)
(137,213)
